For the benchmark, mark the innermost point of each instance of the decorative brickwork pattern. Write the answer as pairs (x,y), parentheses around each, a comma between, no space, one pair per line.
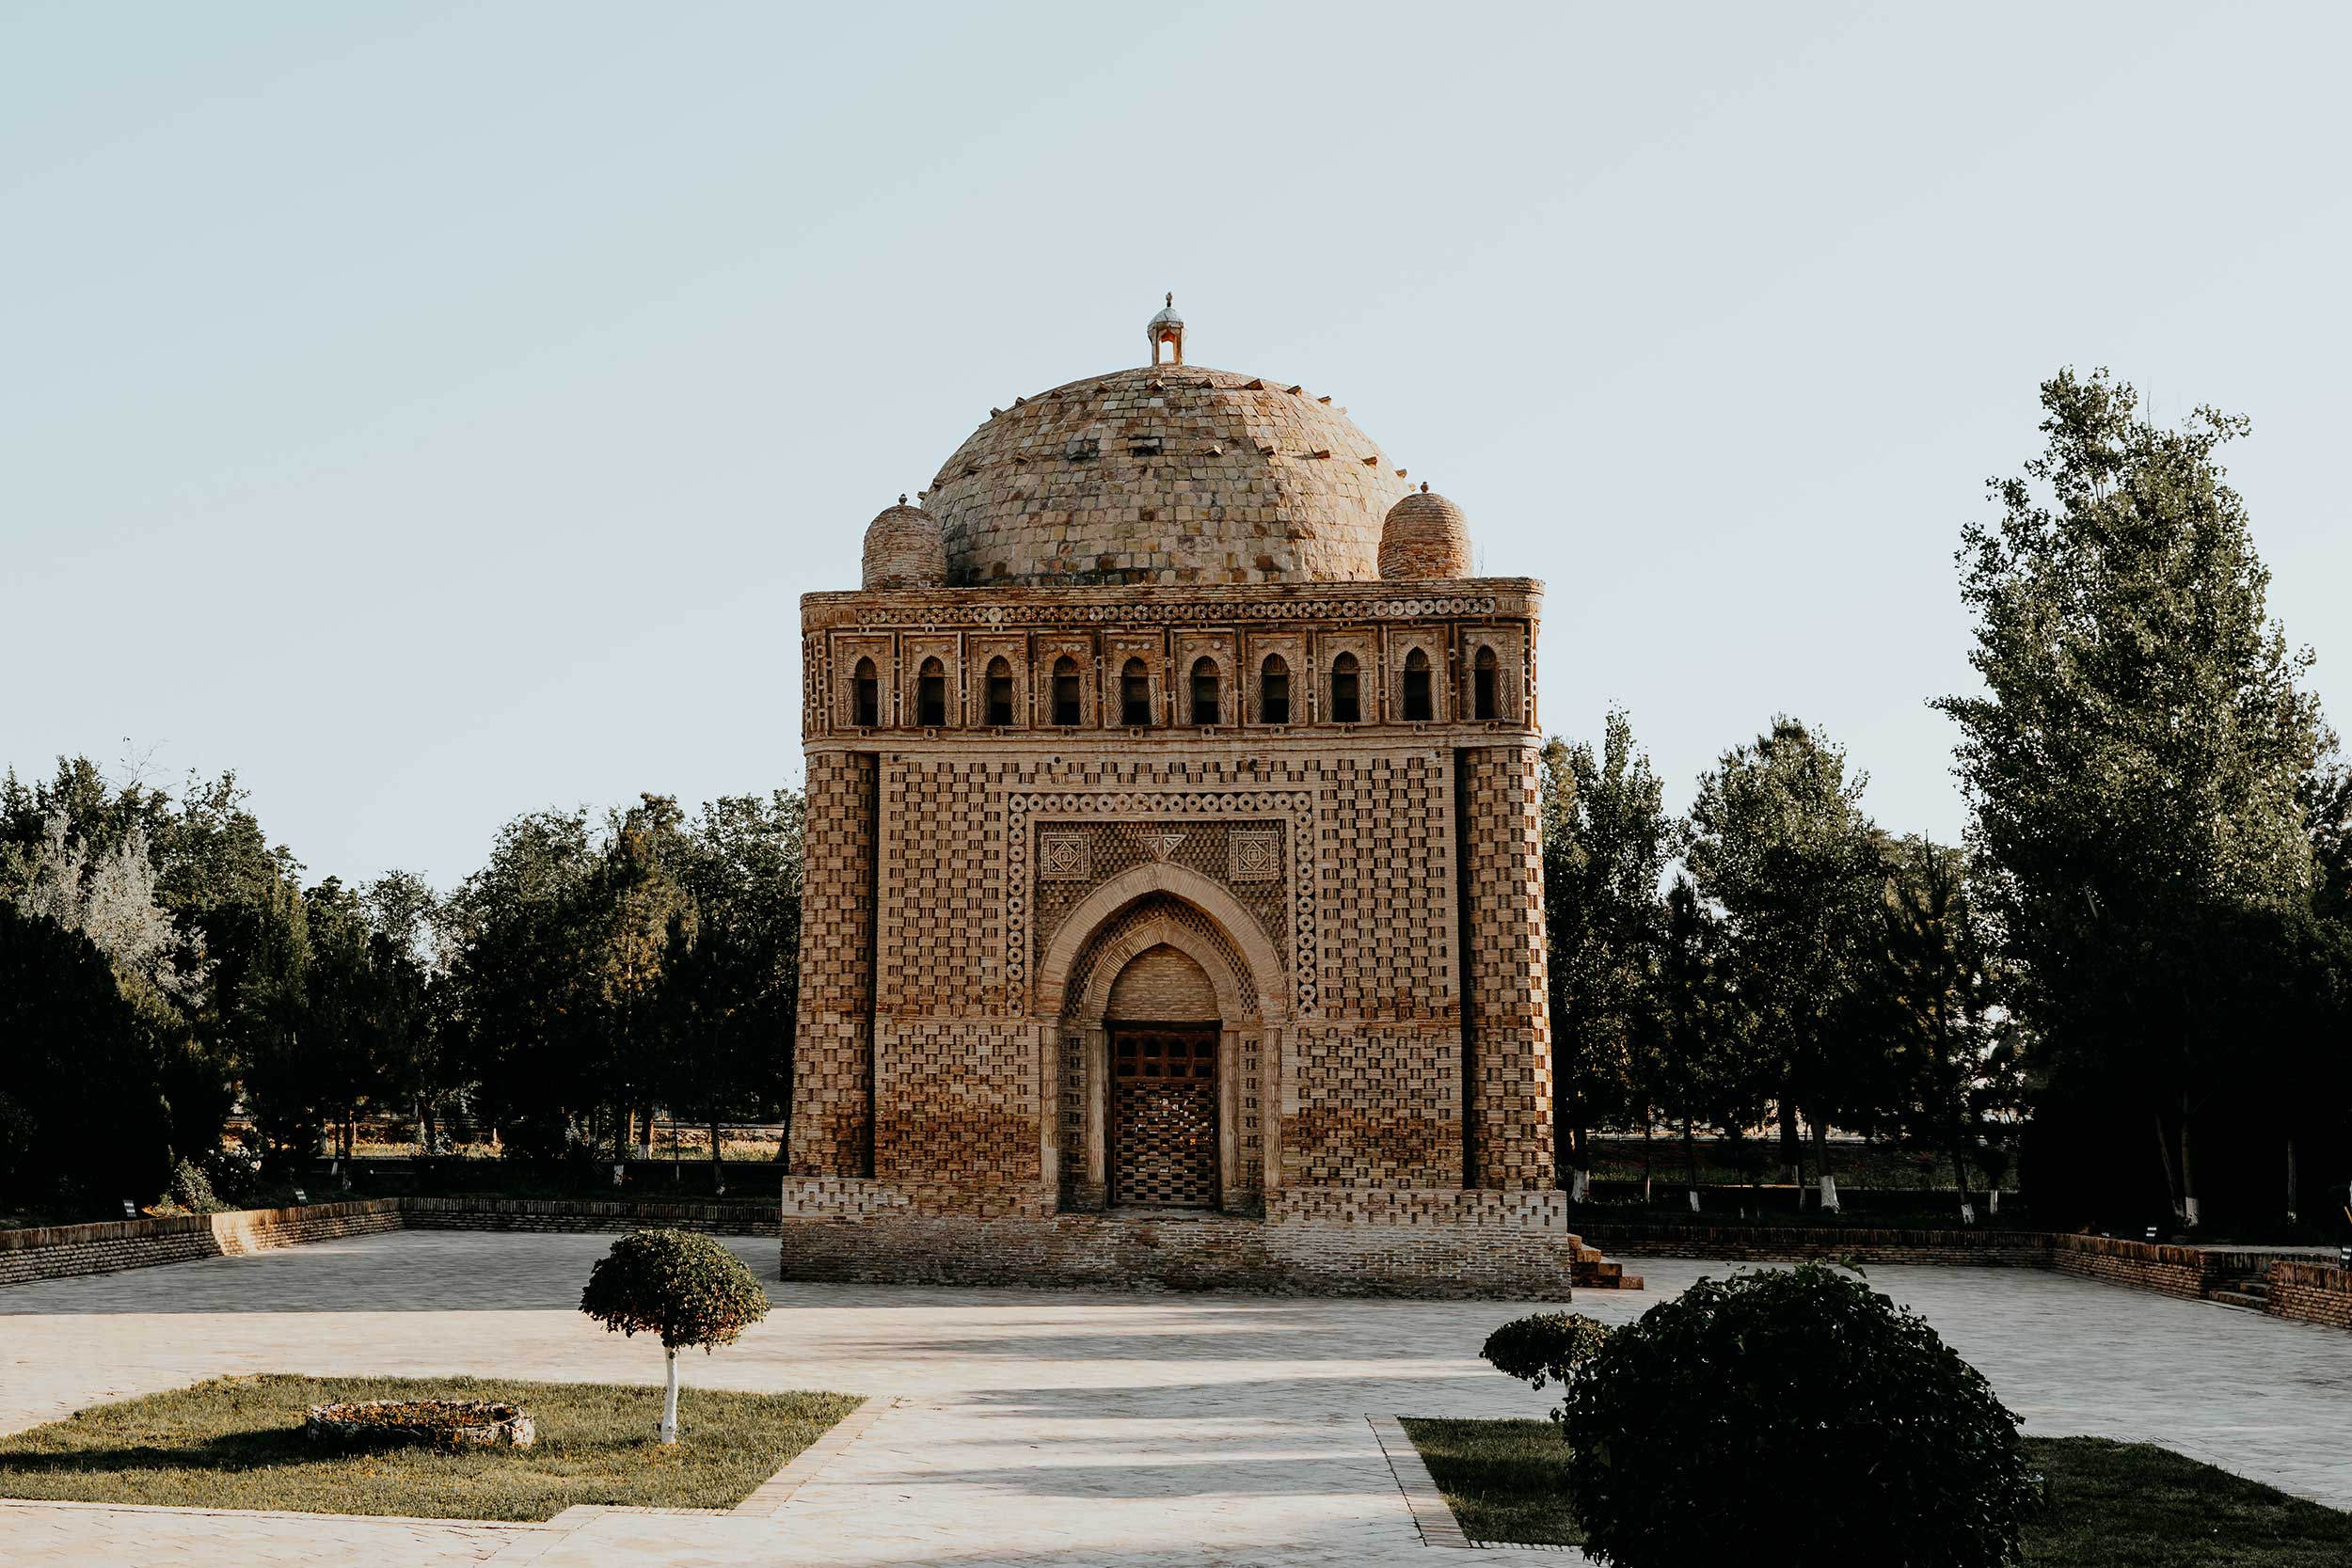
(1511,1069)
(833,1045)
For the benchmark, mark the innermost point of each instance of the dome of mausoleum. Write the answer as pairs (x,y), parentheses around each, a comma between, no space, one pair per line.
(1166,473)
(904,549)
(1425,537)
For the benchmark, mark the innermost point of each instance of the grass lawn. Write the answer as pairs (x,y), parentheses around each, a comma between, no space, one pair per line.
(236,1442)
(2112,1505)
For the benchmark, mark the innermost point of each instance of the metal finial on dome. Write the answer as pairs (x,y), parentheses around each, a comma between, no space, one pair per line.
(1424,490)
(902,496)
(1167,328)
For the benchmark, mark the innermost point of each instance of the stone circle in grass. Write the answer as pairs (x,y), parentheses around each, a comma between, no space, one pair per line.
(448,1423)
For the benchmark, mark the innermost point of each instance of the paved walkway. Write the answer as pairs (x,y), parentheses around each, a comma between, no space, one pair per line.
(1108,1432)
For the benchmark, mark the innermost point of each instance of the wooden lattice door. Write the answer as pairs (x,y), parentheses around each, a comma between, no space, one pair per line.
(1164,1117)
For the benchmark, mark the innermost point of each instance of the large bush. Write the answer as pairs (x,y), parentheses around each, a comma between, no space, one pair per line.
(688,1290)
(1791,1417)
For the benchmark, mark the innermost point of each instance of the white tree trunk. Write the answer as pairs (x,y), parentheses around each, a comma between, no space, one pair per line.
(1993,1198)
(669,1399)
(1579,1183)
(1829,1193)
(1695,1200)
(1967,1212)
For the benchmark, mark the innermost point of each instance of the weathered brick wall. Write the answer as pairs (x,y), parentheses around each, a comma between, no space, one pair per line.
(831,1055)
(2175,1271)
(2310,1292)
(110,1246)
(1799,1243)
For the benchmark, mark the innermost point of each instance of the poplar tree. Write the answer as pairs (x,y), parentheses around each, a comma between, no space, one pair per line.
(2137,763)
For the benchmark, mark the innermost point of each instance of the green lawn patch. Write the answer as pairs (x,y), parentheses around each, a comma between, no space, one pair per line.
(2111,1505)
(236,1442)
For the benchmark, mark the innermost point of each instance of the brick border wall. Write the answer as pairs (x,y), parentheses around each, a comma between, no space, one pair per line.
(583,1215)
(2175,1271)
(2310,1292)
(110,1246)
(1748,1244)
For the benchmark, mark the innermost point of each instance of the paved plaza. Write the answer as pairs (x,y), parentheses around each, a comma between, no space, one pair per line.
(1028,1427)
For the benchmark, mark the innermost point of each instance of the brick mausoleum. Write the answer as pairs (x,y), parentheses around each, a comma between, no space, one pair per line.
(1173,907)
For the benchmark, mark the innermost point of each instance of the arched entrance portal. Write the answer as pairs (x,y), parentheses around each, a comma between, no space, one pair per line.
(1169,964)
(1162,1020)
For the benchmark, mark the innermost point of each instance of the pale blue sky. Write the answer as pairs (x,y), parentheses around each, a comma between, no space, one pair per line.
(435,411)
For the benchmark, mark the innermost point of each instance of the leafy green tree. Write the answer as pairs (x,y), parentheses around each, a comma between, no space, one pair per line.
(1606,841)
(1937,1007)
(1778,843)
(81,1079)
(524,1009)
(2139,762)
(687,1288)
(1696,1074)
(731,992)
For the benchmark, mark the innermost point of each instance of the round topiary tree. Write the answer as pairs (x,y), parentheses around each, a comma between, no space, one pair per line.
(1792,1417)
(1549,1347)
(687,1289)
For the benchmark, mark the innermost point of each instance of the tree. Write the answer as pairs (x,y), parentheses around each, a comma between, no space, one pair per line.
(731,994)
(81,1079)
(2138,763)
(1787,1418)
(1694,1073)
(687,1288)
(1778,843)
(1937,1008)
(1606,841)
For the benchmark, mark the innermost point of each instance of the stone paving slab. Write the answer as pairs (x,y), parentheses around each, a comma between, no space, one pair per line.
(1040,1428)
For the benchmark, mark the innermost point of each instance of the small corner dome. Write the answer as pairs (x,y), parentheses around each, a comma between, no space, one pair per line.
(1425,538)
(904,549)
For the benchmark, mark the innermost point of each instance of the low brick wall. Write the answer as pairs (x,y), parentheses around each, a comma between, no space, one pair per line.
(57,1252)
(582,1215)
(1757,1243)
(2310,1292)
(2175,1271)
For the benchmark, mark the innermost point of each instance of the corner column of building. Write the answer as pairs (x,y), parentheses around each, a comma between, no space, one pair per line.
(832,1059)
(1505,1006)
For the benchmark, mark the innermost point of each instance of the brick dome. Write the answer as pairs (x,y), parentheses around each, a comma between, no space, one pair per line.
(1425,537)
(902,549)
(1166,473)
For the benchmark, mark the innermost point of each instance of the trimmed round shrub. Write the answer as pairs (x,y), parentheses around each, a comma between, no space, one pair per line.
(1791,1417)
(1547,1348)
(685,1289)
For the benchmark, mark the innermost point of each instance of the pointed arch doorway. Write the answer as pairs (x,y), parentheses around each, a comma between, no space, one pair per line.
(1162,1020)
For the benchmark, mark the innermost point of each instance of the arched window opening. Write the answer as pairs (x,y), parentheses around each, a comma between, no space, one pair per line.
(1482,684)
(865,694)
(1416,685)
(1346,705)
(1204,692)
(1065,690)
(1273,690)
(999,692)
(931,694)
(1134,694)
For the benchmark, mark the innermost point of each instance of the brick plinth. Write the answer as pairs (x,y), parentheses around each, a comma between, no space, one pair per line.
(1311,1242)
